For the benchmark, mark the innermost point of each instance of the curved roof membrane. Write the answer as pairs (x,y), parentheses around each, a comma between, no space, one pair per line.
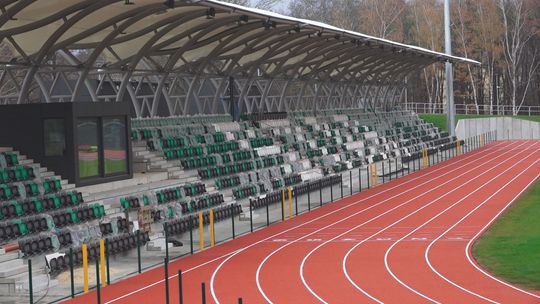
(204,37)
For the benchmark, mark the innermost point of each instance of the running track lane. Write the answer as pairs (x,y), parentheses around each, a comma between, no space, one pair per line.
(371,240)
(245,266)
(149,288)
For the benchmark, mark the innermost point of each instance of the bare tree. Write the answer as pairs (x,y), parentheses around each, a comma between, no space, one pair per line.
(382,18)
(262,4)
(517,34)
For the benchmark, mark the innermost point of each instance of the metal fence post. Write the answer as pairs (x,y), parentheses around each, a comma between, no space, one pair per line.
(191,234)
(360,179)
(232,222)
(71,276)
(166,233)
(341,184)
(251,215)
(203,293)
(388,170)
(309,197)
(166,262)
(350,182)
(30,284)
(180,288)
(267,215)
(320,192)
(98,284)
(139,268)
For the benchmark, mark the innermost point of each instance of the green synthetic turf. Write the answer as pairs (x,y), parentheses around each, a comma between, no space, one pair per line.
(510,249)
(439,120)
(115,166)
(89,168)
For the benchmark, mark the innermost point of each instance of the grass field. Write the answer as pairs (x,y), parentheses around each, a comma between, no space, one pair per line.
(510,249)
(89,168)
(439,120)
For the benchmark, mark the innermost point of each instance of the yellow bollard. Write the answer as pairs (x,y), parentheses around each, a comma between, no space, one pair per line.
(212,235)
(85,267)
(290,202)
(102,262)
(201,231)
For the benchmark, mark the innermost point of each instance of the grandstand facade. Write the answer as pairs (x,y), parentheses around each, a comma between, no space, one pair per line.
(230,109)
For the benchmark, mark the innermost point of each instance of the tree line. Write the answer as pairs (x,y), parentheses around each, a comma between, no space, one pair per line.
(504,35)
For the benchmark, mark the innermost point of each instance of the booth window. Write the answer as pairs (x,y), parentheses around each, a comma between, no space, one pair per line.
(115,145)
(54,137)
(88,147)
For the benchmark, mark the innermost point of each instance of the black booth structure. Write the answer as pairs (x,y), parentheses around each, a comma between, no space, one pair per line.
(85,142)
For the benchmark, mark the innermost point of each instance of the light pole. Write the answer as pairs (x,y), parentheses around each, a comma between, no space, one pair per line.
(451,119)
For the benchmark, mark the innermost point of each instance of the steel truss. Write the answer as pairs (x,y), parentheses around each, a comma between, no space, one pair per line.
(179,60)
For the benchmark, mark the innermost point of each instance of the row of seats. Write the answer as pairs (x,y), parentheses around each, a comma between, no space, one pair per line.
(8,159)
(225,170)
(19,228)
(77,215)
(36,245)
(16,174)
(114,245)
(201,203)
(243,192)
(168,195)
(13,209)
(28,189)
(184,224)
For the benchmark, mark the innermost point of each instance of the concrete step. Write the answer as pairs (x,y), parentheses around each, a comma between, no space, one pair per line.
(15,270)
(141,153)
(68,187)
(26,162)
(8,256)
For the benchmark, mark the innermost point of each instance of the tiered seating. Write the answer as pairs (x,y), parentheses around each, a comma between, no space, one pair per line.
(38,214)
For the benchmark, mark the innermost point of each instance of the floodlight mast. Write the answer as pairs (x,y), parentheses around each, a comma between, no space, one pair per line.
(451,111)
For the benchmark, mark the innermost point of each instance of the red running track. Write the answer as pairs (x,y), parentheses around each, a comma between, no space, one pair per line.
(407,241)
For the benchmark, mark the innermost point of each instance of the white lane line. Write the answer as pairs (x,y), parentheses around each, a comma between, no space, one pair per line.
(345,259)
(344,219)
(389,250)
(214,274)
(467,249)
(451,162)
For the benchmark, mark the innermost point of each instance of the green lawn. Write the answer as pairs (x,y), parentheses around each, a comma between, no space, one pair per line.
(439,120)
(510,249)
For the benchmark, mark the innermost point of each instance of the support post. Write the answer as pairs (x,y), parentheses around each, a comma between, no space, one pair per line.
(251,215)
(166,266)
(98,287)
(102,261)
(211,228)
(180,288)
(85,267)
(30,283)
(232,222)
(203,293)
(139,266)
(201,231)
(190,234)
(71,275)
(290,202)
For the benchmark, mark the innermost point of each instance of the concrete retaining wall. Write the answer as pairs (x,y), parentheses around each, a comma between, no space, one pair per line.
(506,127)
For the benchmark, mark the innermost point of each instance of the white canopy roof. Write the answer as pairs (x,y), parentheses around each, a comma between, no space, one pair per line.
(199,37)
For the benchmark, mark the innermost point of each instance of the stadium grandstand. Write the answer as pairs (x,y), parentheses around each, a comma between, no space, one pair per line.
(134,131)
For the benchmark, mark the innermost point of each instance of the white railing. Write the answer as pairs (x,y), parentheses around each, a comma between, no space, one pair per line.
(425,108)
